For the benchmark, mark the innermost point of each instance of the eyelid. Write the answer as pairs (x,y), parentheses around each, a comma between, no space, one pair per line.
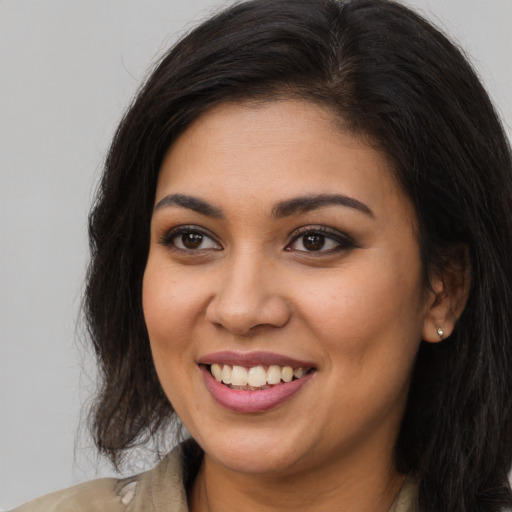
(166,239)
(344,240)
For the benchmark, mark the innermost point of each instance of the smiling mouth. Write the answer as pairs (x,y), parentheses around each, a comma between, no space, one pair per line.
(256,378)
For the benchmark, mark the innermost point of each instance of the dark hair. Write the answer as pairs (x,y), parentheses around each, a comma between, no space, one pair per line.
(392,77)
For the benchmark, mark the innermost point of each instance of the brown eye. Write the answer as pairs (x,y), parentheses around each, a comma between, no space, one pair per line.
(191,240)
(313,242)
(186,238)
(321,240)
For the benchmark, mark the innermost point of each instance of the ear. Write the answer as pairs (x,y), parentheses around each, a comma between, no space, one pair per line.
(449,289)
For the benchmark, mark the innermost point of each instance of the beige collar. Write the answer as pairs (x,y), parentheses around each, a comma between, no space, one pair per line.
(165,488)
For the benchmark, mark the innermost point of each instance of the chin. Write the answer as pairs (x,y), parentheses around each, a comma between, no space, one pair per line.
(256,463)
(254,454)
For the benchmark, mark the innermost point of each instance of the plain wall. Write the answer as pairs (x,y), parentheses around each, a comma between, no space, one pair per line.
(68,69)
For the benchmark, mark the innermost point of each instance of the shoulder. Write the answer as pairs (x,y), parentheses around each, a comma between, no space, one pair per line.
(407,499)
(152,491)
(105,494)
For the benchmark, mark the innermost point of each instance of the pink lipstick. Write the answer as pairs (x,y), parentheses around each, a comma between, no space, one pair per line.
(254,400)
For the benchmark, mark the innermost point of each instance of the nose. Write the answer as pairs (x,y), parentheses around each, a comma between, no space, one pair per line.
(248,297)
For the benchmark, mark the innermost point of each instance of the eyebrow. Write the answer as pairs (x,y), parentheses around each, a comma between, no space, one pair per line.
(282,209)
(191,203)
(305,204)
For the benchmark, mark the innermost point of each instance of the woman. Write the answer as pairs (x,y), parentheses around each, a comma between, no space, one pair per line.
(300,247)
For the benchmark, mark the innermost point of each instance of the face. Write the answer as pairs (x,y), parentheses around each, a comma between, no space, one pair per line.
(282,245)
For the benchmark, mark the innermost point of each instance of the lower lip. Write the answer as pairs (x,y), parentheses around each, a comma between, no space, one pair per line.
(252,401)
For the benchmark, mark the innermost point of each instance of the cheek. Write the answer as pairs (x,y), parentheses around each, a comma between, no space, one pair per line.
(169,310)
(372,312)
(368,327)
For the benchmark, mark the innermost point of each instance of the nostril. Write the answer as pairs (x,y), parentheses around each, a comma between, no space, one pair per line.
(244,316)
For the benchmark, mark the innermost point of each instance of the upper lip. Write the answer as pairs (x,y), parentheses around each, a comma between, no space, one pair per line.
(251,359)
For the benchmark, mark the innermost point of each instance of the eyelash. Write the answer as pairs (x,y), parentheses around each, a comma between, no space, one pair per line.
(169,238)
(342,241)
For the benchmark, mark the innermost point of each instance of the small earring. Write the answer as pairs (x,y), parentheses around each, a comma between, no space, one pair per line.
(440,333)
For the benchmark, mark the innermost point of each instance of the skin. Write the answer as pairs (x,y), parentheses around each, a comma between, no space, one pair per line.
(357,310)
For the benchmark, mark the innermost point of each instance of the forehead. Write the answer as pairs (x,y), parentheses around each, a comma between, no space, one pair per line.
(268,151)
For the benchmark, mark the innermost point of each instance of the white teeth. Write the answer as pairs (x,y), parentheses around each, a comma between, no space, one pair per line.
(257,376)
(238,376)
(226,374)
(216,371)
(299,372)
(274,374)
(287,374)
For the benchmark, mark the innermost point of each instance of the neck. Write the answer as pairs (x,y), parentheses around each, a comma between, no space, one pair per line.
(353,487)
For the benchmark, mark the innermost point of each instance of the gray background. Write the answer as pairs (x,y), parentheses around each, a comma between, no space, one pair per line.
(67,71)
